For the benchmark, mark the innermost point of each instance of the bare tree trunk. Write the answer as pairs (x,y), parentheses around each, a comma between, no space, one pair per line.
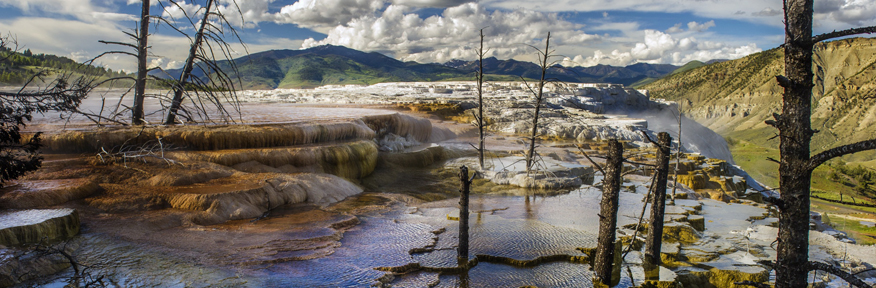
(464,190)
(795,134)
(677,157)
(654,240)
(140,88)
(608,212)
(480,118)
(530,155)
(180,86)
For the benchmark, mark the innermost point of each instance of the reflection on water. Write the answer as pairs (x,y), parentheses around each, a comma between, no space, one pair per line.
(526,227)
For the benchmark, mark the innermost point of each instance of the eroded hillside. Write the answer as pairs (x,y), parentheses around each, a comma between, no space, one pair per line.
(734,98)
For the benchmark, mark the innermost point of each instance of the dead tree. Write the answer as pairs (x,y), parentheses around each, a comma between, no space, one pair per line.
(479,119)
(654,240)
(179,88)
(142,53)
(464,190)
(677,157)
(795,134)
(140,38)
(217,86)
(543,56)
(84,274)
(608,212)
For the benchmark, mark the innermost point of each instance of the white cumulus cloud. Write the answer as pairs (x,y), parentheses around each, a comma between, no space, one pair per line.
(452,34)
(660,47)
(321,15)
(181,11)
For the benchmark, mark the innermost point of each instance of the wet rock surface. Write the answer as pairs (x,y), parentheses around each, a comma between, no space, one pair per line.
(25,194)
(330,209)
(23,227)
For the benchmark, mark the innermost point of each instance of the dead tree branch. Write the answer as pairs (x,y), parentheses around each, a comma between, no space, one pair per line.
(597,166)
(812,266)
(822,157)
(843,33)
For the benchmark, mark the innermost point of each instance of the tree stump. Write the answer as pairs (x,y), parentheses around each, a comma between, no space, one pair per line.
(465,186)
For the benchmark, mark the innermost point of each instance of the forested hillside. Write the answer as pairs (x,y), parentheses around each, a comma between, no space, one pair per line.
(19,67)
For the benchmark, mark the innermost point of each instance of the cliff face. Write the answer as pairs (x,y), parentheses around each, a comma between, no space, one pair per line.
(734,98)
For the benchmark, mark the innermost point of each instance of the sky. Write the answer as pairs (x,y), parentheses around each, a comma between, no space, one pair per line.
(583,32)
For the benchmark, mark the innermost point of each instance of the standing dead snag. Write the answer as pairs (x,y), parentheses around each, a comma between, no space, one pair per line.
(608,212)
(464,190)
(142,53)
(539,99)
(654,240)
(215,90)
(480,117)
(795,134)
(217,86)
(180,87)
(678,154)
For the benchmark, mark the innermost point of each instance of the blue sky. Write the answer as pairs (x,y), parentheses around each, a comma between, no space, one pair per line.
(584,32)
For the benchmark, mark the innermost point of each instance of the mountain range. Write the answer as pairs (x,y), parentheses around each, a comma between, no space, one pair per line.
(329,64)
(595,74)
(324,65)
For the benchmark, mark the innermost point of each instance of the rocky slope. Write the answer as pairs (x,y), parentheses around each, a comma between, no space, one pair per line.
(734,98)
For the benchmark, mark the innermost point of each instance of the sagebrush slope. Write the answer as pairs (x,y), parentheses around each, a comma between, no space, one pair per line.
(734,98)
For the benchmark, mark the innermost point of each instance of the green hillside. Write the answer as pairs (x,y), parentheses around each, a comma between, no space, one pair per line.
(734,98)
(329,64)
(18,67)
(689,66)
